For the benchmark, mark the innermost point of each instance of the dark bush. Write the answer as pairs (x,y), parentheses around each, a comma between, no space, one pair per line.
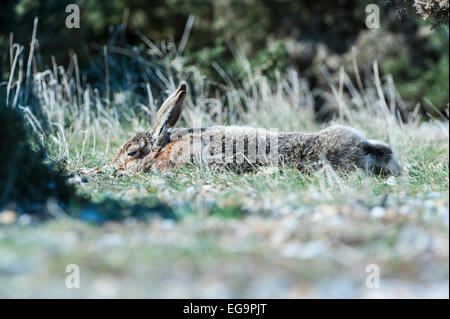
(25,175)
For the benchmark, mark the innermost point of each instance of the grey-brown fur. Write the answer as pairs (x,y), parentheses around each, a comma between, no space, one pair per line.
(246,148)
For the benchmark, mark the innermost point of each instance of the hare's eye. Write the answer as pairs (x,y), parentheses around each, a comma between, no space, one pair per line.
(132,153)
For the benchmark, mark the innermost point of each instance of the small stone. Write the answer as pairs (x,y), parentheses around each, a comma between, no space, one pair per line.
(75,179)
(377,212)
(7,217)
(25,219)
(434,195)
(168,224)
(391,181)
(190,190)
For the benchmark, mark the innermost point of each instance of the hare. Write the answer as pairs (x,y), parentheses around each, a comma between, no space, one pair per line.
(246,148)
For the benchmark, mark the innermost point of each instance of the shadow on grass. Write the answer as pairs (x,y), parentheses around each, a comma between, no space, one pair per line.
(32,185)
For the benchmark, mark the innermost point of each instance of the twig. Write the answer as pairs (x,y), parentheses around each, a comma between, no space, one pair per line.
(19,50)
(30,59)
(358,79)
(185,37)
(108,93)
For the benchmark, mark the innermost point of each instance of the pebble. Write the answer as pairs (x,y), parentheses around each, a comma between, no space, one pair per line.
(377,212)
(7,217)
(391,181)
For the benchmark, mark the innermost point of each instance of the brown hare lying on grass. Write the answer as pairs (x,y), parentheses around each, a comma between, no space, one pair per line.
(246,148)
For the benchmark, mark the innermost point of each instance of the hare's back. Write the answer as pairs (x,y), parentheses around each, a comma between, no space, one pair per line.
(230,145)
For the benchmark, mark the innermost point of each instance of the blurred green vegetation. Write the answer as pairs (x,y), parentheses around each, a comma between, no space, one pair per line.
(268,61)
(272,34)
(429,79)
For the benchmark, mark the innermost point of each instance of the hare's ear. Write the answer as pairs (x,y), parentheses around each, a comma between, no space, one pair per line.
(168,114)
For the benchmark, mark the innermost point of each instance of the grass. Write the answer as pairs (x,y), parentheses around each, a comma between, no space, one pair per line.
(270,233)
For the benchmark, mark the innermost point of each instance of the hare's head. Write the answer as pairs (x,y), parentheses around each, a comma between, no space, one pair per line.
(379,158)
(347,148)
(137,153)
